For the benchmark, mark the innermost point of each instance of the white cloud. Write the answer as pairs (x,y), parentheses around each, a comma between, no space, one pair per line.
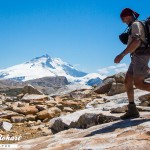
(111,67)
(110,70)
(103,71)
(122,65)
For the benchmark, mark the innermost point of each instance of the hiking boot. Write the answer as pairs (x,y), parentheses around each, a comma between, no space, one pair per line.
(131,113)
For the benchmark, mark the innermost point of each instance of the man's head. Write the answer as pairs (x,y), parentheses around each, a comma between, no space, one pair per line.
(128,15)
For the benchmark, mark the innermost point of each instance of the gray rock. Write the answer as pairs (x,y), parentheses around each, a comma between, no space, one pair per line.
(119,109)
(117,89)
(105,86)
(30,117)
(41,107)
(141,108)
(130,134)
(17,119)
(120,77)
(80,94)
(145,103)
(6,126)
(58,125)
(67,109)
(8,114)
(85,121)
(34,97)
(144,98)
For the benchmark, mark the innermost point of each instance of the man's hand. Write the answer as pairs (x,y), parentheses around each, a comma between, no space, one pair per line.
(118,58)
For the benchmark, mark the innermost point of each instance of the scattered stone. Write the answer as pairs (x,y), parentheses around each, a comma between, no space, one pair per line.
(6,126)
(72,104)
(17,119)
(30,117)
(60,106)
(45,114)
(56,110)
(41,107)
(8,114)
(28,110)
(34,97)
(68,109)
(58,99)
(141,108)
(80,94)
(119,109)
(46,132)
(145,98)
(145,103)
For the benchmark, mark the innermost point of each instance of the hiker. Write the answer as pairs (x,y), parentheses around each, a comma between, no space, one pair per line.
(138,68)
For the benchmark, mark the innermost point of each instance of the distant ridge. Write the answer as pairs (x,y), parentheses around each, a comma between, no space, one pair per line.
(45,66)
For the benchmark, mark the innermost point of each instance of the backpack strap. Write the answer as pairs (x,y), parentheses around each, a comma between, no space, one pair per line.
(145,31)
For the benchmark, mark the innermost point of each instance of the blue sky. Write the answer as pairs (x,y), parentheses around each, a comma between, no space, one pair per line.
(83,33)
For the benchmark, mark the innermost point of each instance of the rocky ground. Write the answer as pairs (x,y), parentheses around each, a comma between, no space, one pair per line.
(28,114)
(81,119)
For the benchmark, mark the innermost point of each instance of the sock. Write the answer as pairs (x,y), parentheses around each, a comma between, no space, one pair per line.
(131,103)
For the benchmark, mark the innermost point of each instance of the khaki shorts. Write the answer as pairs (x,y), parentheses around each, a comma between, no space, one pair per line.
(139,65)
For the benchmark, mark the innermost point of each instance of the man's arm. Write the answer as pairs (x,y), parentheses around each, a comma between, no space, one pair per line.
(129,49)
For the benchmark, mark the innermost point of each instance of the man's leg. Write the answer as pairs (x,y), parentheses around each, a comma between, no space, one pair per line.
(140,70)
(140,84)
(129,87)
(132,110)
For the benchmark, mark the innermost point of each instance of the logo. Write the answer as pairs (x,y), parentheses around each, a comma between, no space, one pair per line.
(10,138)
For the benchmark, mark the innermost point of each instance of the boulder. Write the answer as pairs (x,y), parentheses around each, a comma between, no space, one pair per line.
(58,125)
(105,86)
(86,120)
(117,88)
(120,77)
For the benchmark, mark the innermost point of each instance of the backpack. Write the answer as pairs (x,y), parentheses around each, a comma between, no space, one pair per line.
(146,25)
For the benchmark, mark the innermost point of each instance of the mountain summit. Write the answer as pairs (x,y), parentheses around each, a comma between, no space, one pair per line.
(45,66)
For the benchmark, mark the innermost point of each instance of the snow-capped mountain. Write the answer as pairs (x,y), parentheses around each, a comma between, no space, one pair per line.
(45,66)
